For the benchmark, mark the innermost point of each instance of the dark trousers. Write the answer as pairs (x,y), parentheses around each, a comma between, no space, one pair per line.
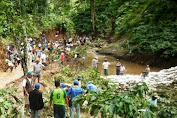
(117,72)
(59,111)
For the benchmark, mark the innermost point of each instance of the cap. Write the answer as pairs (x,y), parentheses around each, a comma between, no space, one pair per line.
(155,95)
(89,82)
(76,82)
(96,57)
(79,77)
(63,85)
(37,85)
(30,73)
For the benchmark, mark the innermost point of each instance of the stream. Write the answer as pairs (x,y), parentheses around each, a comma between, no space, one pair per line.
(131,68)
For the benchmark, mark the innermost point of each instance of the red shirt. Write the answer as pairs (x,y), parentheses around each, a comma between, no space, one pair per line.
(62,56)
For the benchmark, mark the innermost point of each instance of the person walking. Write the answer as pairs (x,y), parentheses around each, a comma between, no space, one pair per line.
(27,88)
(36,102)
(118,64)
(95,63)
(79,78)
(37,68)
(105,66)
(72,93)
(59,98)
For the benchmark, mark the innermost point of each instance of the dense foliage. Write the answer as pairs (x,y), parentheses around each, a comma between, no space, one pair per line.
(10,104)
(149,26)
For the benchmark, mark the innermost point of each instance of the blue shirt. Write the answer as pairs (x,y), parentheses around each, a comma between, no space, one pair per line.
(44,39)
(46,45)
(92,87)
(39,53)
(83,58)
(74,91)
(153,102)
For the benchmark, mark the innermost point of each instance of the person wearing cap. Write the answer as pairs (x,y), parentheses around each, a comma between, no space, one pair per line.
(36,102)
(92,87)
(27,88)
(63,86)
(95,63)
(153,100)
(105,66)
(37,68)
(59,98)
(118,65)
(79,78)
(72,93)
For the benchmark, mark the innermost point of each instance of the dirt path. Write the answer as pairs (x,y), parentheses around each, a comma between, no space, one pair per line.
(7,77)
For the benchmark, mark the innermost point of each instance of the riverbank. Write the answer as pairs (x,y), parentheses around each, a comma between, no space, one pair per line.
(114,49)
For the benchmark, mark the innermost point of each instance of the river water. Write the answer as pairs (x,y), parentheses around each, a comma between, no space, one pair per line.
(131,68)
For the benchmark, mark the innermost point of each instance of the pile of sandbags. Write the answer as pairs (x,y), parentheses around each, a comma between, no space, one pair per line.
(165,76)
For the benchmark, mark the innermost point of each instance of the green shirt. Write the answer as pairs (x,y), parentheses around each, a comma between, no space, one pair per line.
(58,96)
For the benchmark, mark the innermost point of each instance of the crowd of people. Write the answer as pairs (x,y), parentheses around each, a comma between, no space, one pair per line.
(61,97)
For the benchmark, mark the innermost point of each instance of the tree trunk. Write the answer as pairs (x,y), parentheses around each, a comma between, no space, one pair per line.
(92,8)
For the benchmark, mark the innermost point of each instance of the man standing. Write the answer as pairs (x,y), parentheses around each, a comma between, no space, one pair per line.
(37,70)
(36,102)
(58,97)
(44,38)
(118,65)
(73,92)
(105,66)
(62,56)
(27,88)
(147,70)
(95,63)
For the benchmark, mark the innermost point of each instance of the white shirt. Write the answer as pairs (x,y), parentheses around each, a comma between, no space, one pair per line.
(122,68)
(39,45)
(9,63)
(68,49)
(37,67)
(70,39)
(24,82)
(43,56)
(94,63)
(106,65)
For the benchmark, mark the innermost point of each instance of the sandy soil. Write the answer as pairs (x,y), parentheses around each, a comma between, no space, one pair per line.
(7,77)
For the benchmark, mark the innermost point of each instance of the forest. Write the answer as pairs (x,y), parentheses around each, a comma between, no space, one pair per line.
(139,26)
(143,30)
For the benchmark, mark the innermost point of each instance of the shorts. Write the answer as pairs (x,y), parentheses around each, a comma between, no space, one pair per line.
(37,75)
